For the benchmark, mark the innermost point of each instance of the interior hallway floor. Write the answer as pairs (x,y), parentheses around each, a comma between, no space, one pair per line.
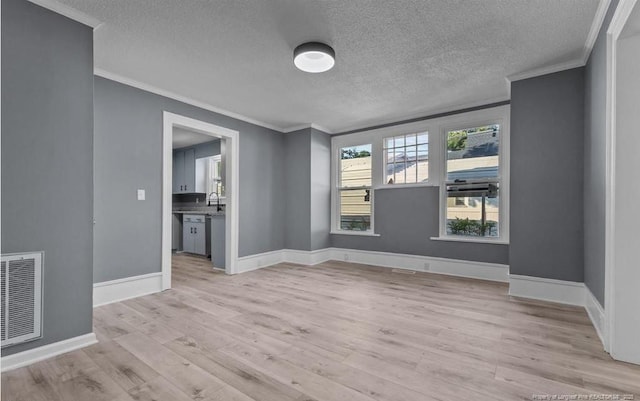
(335,331)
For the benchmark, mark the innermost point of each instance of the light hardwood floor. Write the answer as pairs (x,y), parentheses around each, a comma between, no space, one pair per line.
(335,331)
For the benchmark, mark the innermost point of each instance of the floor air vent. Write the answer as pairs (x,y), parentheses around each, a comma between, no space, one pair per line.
(403,271)
(21,291)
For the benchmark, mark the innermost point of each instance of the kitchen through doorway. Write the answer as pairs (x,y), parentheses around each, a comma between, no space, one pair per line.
(199,188)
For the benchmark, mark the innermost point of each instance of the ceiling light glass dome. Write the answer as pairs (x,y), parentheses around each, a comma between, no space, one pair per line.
(314,57)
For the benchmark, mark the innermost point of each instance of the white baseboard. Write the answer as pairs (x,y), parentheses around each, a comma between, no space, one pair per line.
(131,287)
(596,314)
(258,261)
(306,257)
(452,267)
(546,289)
(28,357)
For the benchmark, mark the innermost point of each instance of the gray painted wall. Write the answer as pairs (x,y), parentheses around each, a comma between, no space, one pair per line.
(320,189)
(206,149)
(128,155)
(297,189)
(547,148)
(594,161)
(47,159)
(406,218)
(308,189)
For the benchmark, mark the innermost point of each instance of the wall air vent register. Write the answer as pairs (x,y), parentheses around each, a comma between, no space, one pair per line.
(21,293)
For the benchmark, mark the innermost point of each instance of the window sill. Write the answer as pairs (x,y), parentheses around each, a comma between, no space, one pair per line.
(476,240)
(414,185)
(359,233)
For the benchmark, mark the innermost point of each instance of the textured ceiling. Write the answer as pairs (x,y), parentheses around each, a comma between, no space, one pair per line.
(396,59)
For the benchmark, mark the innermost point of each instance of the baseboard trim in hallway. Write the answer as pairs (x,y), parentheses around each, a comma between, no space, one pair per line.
(28,357)
(130,287)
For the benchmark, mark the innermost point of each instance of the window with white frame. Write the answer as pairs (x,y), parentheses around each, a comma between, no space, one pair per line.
(469,166)
(406,158)
(473,182)
(355,188)
(214,175)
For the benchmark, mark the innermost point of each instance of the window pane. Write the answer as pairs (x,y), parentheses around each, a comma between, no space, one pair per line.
(411,165)
(400,170)
(465,215)
(355,209)
(355,166)
(423,138)
(472,153)
(388,143)
(408,161)
(389,173)
(399,141)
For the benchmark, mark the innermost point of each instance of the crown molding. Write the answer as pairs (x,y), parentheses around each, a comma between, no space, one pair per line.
(303,126)
(596,25)
(321,128)
(429,114)
(69,12)
(296,128)
(550,69)
(171,95)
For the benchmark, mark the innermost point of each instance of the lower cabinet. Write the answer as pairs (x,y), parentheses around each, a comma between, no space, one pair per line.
(194,234)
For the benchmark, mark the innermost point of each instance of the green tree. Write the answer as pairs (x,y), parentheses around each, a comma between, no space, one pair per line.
(354,154)
(456,140)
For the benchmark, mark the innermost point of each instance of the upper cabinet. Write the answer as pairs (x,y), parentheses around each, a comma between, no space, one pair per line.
(198,169)
(184,171)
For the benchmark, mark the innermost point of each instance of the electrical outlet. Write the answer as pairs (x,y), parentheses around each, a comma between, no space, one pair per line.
(141,194)
(426,265)
(346,257)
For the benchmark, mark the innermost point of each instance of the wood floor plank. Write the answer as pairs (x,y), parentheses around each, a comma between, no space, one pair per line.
(332,332)
(158,331)
(91,385)
(238,374)
(306,382)
(121,365)
(156,390)
(190,378)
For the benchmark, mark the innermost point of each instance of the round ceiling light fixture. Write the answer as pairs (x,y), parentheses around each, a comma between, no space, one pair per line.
(314,57)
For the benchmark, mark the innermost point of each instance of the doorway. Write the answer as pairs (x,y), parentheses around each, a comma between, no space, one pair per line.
(175,123)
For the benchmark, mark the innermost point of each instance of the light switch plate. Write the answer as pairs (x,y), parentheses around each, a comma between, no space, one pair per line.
(141,194)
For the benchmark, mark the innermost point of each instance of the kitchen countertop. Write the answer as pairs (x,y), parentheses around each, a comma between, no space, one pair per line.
(207,212)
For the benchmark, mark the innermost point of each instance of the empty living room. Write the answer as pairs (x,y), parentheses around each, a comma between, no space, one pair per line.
(319,200)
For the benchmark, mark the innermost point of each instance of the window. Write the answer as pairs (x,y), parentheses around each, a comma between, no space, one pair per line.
(214,175)
(354,188)
(466,156)
(473,182)
(406,158)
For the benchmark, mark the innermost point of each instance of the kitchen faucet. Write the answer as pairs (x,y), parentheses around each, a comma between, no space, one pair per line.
(218,207)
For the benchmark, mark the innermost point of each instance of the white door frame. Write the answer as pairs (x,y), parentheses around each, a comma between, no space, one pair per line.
(170,121)
(618,22)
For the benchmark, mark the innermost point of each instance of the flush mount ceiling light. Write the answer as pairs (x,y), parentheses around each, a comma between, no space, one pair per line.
(314,57)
